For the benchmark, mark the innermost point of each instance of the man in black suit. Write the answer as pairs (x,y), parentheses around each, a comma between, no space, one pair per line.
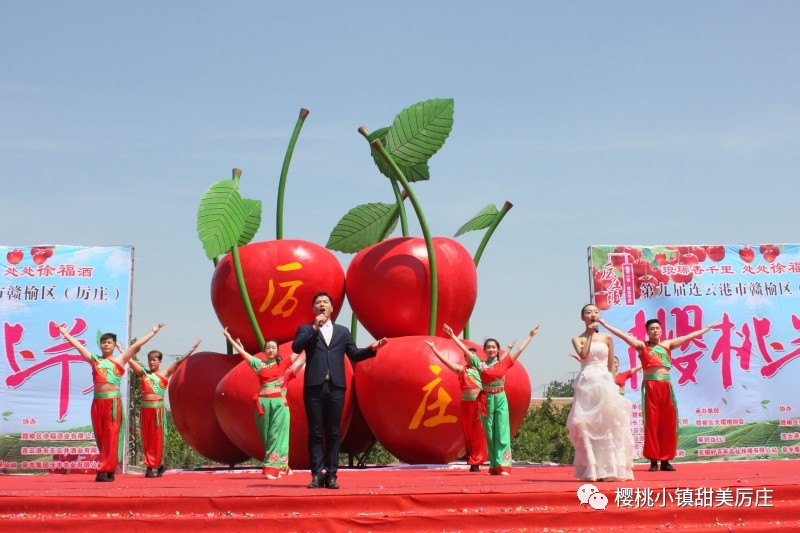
(326,344)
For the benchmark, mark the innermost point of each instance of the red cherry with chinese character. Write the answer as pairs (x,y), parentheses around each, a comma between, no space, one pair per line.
(415,413)
(15,256)
(699,252)
(234,409)
(747,254)
(191,398)
(661,258)
(601,300)
(689,259)
(389,290)
(716,253)
(39,257)
(48,252)
(282,277)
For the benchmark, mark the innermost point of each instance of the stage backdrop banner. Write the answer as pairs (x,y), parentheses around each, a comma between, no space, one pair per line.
(736,386)
(46,387)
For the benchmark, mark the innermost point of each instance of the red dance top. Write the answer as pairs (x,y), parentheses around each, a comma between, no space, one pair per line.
(655,355)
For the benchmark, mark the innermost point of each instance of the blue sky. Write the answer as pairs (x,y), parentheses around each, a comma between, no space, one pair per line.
(603,123)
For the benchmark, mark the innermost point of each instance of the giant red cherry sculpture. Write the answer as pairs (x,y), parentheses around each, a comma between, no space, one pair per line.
(191,398)
(282,277)
(412,401)
(388,286)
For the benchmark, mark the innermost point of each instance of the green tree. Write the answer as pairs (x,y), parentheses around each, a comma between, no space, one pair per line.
(543,435)
(558,389)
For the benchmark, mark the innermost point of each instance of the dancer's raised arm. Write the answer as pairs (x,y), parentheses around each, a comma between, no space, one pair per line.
(85,353)
(633,342)
(236,344)
(467,354)
(524,344)
(182,359)
(676,342)
(133,348)
(449,364)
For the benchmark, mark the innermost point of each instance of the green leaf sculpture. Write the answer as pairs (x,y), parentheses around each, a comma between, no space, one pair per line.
(220,218)
(482,220)
(413,173)
(252,220)
(419,131)
(363,226)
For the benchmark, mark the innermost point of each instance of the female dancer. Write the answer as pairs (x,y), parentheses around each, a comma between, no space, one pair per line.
(620,378)
(153,414)
(271,407)
(599,421)
(107,416)
(470,379)
(495,422)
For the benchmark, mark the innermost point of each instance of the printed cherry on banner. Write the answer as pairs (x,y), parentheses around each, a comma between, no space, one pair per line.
(406,288)
(234,408)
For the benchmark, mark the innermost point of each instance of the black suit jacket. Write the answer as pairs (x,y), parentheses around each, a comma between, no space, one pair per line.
(323,359)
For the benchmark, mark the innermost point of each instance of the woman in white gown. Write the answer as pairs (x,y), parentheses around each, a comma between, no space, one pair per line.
(599,421)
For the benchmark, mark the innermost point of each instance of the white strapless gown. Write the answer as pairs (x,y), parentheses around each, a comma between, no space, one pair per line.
(599,422)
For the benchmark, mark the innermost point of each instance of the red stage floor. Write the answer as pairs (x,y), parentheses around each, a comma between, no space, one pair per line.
(723,496)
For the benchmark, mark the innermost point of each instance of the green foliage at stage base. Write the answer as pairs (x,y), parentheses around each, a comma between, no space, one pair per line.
(543,437)
(559,389)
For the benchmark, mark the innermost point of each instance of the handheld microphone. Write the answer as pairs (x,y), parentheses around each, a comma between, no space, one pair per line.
(321,323)
(597,328)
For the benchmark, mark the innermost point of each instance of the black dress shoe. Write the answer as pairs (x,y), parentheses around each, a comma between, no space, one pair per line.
(110,476)
(330,482)
(102,476)
(149,472)
(666,467)
(161,471)
(475,468)
(653,466)
(317,482)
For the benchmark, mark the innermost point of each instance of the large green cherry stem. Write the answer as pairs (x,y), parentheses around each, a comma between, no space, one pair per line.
(434,297)
(399,197)
(237,268)
(353,326)
(285,171)
(477,258)
(248,307)
(398,194)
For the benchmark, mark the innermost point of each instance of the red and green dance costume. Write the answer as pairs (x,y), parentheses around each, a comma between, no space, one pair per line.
(494,412)
(659,407)
(153,419)
(108,420)
(272,416)
(474,438)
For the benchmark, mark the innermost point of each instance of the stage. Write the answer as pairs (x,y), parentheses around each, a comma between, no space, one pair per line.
(718,496)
